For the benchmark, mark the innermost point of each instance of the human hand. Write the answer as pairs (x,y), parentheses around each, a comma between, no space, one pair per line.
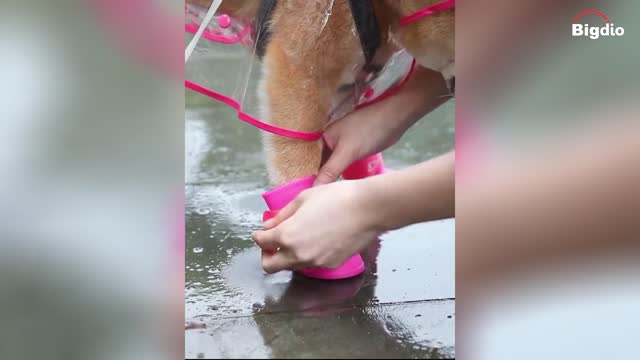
(322,227)
(374,128)
(360,134)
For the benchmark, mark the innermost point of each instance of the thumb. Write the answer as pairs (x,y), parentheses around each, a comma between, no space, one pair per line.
(338,161)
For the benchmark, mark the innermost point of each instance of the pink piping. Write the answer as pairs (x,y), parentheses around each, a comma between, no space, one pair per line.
(251,120)
(193,28)
(392,91)
(429,10)
(293,134)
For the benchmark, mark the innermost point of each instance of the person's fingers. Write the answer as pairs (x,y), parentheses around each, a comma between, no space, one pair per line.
(339,160)
(278,261)
(283,214)
(266,240)
(331,134)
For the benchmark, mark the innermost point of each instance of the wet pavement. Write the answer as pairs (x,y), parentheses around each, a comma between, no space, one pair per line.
(402,307)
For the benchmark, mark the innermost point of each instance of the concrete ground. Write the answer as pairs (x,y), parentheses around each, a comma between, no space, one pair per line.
(402,307)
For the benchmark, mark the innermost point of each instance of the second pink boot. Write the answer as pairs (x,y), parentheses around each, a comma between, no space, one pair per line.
(363,168)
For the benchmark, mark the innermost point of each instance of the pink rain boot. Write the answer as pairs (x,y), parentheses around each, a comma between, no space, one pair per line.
(278,198)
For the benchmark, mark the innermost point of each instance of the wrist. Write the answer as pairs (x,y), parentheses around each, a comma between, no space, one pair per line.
(372,197)
(419,193)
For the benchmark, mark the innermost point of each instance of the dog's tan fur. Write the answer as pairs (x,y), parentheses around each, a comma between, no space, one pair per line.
(309,55)
(431,40)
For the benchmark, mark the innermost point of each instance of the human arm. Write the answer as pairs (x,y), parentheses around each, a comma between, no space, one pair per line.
(325,225)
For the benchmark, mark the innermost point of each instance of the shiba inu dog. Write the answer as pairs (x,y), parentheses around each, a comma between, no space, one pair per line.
(311,48)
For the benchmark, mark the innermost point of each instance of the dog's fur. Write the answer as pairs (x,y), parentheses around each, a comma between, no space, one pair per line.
(309,56)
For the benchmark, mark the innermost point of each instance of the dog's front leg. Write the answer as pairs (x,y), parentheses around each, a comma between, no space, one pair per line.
(294,95)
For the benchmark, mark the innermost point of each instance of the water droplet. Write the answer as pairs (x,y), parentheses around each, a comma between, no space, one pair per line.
(197,250)
(192,324)
(203,211)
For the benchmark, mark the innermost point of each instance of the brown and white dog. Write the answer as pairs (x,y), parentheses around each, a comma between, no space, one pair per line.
(307,56)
